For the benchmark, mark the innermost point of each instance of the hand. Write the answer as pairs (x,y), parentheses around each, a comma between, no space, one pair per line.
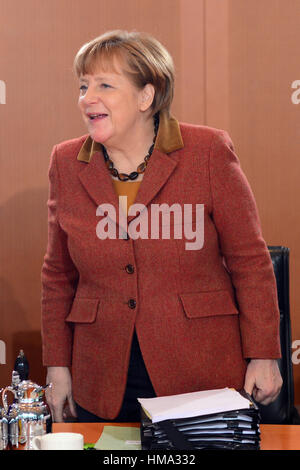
(263,380)
(59,393)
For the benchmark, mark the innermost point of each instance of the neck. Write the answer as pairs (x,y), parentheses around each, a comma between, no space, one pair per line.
(127,156)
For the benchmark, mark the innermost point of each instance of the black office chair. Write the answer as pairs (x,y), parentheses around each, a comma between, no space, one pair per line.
(282,410)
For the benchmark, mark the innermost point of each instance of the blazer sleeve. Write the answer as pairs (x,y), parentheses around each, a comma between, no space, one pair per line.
(245,252)
(59,282)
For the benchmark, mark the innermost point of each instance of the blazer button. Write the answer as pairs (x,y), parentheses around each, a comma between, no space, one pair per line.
(131,303)
(129,268)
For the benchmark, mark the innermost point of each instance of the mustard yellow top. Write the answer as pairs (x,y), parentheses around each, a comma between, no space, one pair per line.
(127,188)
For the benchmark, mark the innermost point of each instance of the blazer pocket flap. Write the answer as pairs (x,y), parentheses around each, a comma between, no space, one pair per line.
(208,304)
(83,311)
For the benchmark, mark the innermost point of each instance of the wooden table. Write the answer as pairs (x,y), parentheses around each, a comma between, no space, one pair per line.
(273,437)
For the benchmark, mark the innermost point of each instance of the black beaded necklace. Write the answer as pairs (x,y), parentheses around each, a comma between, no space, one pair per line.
(141,168)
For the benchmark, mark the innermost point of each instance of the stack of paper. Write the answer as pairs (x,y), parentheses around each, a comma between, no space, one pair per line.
(210,419)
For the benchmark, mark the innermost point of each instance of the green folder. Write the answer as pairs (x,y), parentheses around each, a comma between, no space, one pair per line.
(119,438)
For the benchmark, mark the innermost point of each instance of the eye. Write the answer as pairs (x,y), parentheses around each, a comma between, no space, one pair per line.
(83,88)
(105,85)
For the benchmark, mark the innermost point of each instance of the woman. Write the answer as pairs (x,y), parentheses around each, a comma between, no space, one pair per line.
(133,313)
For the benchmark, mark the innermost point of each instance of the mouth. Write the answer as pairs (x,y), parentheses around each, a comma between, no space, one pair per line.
(96,116)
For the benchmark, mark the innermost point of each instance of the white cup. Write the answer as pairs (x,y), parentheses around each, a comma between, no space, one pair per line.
(58,441)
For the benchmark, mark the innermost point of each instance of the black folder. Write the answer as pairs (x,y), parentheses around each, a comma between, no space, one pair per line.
(237,429)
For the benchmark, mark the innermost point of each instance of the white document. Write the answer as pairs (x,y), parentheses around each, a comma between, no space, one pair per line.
(192,404)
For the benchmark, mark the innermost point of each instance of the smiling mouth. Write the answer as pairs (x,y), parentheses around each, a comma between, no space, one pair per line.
(95,116)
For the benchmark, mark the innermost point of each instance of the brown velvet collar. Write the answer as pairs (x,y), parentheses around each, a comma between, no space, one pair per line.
(168,139)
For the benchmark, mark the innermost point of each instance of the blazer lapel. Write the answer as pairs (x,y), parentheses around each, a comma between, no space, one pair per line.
(159,170)
(98,183)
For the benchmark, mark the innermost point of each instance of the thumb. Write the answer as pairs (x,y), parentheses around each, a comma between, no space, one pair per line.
(249,383)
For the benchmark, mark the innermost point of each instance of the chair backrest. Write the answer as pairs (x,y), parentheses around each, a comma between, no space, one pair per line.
(282,410)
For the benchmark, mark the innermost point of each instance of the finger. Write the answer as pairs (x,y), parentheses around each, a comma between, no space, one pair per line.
(57,413)
(49,403)
(263,401)
(270,399)
(58,417)
(72,407)
(267,395)
(249,384)
(71,404)
(69,411)
(265,398)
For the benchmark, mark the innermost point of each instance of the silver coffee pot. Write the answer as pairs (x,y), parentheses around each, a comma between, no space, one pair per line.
(28,416)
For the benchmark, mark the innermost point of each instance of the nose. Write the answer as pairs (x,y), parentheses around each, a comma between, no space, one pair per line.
(90,96)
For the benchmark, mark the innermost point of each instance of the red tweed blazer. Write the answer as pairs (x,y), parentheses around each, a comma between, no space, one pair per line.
(199,314)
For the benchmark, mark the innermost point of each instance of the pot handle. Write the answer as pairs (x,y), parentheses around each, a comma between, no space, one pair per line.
(4,396)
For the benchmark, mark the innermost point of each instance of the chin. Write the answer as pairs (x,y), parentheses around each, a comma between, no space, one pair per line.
(101,138)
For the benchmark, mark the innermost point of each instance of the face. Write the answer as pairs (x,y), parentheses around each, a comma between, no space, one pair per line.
(111,105)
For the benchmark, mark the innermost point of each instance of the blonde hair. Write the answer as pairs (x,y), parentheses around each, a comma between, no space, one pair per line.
(144,58)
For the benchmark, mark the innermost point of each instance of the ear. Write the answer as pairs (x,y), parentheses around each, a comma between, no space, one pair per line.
(146,97)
